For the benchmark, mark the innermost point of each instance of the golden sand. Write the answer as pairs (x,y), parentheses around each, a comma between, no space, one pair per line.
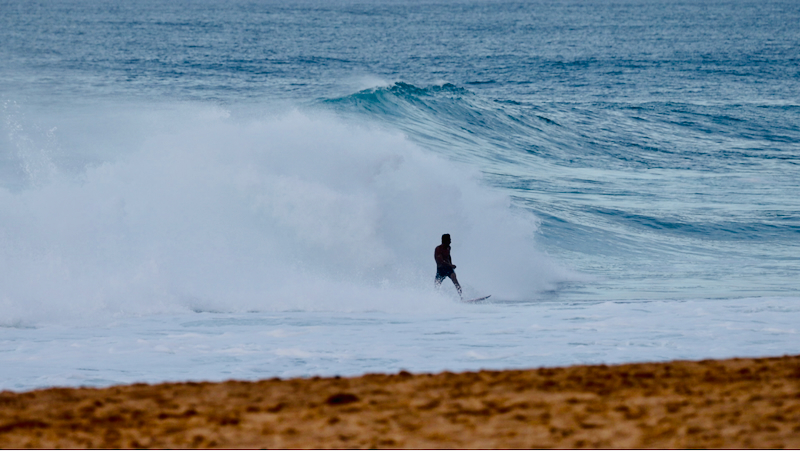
(737,403)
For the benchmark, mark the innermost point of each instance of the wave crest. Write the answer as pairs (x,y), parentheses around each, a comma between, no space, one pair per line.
(298,211)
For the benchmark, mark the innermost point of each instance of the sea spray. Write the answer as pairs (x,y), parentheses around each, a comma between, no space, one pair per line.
(292,211)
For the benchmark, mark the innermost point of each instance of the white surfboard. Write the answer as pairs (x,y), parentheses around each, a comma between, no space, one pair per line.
(472,301)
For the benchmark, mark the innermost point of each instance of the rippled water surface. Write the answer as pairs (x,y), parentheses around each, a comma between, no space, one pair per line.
(247,189)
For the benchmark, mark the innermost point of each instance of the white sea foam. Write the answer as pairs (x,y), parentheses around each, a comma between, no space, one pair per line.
(259,345)
(198,210)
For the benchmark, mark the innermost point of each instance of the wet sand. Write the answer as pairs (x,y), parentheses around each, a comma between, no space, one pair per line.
(737,403)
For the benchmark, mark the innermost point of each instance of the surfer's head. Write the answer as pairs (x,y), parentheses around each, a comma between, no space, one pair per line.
(446,239)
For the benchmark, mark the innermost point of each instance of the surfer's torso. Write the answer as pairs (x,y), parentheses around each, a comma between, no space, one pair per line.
(444,265)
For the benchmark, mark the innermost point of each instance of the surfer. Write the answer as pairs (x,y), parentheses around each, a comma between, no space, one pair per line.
(444,265)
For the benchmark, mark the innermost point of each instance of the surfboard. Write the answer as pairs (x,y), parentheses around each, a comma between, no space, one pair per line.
(471,301)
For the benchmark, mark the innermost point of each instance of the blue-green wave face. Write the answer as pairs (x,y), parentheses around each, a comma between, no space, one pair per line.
(670,199)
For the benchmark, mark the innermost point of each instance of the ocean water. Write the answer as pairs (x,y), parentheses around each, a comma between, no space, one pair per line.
(207,190)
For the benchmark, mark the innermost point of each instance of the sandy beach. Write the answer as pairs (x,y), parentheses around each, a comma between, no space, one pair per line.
(736,403)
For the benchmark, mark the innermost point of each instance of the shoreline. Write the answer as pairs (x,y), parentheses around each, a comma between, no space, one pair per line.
(731,403)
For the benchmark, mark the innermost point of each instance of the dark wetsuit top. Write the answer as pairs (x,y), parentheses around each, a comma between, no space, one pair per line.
(444,266)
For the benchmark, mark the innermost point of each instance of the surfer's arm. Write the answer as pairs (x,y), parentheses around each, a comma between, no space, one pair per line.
(444,264)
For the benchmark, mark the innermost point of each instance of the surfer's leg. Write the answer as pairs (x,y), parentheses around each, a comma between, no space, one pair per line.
(455,282)
(439,279)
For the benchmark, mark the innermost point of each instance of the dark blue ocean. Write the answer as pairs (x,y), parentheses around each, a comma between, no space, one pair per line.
(246,189)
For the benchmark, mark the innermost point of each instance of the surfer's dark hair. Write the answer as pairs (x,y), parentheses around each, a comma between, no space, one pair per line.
(445,236)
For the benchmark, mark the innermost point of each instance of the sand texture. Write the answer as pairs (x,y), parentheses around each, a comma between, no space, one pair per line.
(738,403)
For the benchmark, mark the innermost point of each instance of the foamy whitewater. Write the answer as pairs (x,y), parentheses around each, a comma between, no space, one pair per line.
(232,190)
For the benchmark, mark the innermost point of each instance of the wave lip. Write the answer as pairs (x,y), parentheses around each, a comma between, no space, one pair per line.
(457,122)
